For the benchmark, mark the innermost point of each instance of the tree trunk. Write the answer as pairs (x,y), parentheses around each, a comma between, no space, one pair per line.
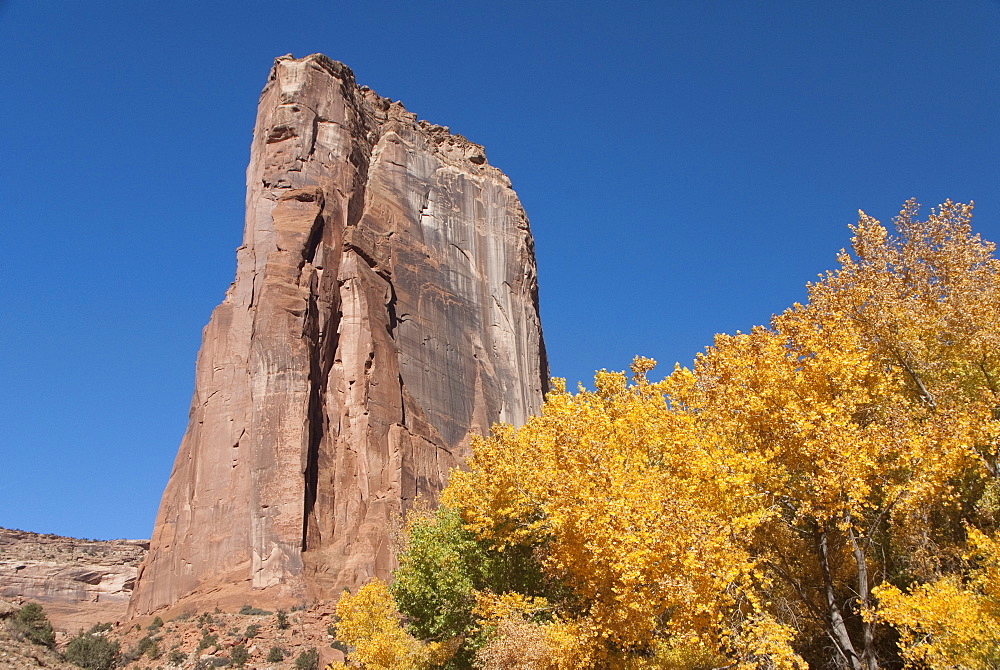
(868,660)
(838,629)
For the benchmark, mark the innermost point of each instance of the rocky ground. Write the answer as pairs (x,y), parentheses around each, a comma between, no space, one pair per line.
(212,638)
(85,584)
(193,641)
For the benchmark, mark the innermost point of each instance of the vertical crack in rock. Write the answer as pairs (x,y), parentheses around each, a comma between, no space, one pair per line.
(384,310)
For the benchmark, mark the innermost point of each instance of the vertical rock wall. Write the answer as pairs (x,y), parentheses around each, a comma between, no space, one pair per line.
(384,309)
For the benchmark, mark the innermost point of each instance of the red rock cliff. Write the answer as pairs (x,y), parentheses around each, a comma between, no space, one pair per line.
(384,309)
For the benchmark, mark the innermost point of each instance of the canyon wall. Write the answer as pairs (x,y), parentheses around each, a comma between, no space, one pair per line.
(78,582)
(384,310)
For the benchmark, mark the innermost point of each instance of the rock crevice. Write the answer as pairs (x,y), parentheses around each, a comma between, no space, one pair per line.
(384,310)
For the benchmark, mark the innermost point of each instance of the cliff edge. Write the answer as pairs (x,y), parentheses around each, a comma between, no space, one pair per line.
(384,309)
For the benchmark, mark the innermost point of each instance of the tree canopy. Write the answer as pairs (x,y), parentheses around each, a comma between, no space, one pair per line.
(819,492)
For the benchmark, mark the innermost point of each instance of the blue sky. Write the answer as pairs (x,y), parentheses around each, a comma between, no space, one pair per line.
(687,168)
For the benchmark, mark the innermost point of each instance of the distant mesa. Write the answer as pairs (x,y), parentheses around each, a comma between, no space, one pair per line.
(385,309)
(78,582)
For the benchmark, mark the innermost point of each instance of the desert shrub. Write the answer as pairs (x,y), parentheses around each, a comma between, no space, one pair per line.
(31,624)
(254,611)
(207,640)
(157,624)
(204,619)
(239,655)
(176,657)
(275,655)
(213,662)
(307,660)
(100,627)
(252,631)
(94,652)
(282,620)
(145,644)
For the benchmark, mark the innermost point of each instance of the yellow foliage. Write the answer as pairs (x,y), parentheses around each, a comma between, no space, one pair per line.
(369,622)
(950,623)
(637,513)
(492,608)
(748,506)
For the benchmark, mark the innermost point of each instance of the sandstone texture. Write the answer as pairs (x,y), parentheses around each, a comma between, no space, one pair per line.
(77,582)
(384,310)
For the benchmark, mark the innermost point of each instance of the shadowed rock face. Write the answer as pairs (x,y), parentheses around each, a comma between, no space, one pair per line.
(384,309)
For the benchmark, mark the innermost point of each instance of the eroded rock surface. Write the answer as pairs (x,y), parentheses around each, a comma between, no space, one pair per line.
(384,310)
(78,582)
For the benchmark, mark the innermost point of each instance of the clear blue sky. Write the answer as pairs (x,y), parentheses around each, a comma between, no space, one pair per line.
(687,168)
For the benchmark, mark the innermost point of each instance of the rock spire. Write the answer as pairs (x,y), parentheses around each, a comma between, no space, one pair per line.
(384,309)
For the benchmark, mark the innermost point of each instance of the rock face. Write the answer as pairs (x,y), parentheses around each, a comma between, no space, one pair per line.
(384,309)
(78,582)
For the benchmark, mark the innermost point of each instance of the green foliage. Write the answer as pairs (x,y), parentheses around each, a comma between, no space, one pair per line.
(207,640)
(275,655)
(176,657)
(252,631)
(204,619)
(254,611)
(239,655)
(307,660)
(442,568)
(31,623)
(100,627)
(145,644)
(282,620)
(157,624)
(93,652)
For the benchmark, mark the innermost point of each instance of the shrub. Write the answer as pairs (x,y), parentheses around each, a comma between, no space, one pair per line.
(282,620)
(239,655)
(307,660)
(145,644)
(255,611)
(213,662)
(156,625)
(276,655)
(207,641)
(94,652)
(252,631)
(31,623)
(100,627)
(176,657)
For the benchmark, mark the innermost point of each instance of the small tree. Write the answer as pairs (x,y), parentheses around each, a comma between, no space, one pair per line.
(307,660)
(93,652)
(32,624)
(239,655)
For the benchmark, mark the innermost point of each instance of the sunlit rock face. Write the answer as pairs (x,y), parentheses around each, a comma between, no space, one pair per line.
(78,582)
(384,310)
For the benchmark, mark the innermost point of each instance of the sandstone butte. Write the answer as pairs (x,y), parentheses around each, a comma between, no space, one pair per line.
(385,308)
